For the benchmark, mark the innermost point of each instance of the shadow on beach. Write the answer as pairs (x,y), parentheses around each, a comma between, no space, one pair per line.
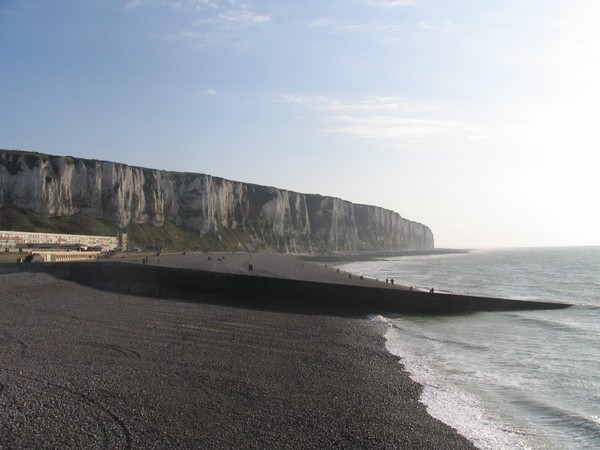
(265,292)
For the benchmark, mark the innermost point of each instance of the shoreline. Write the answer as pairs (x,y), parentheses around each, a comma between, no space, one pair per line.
(370,255)
(315,294)
(189,349)
(83,367)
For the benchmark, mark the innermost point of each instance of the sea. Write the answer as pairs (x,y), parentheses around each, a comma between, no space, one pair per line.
(505,380)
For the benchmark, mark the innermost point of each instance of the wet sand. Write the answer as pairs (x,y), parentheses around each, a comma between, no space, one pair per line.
(85,368)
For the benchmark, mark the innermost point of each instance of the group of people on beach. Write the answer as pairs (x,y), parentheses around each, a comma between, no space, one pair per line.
(145,259)
(387,280)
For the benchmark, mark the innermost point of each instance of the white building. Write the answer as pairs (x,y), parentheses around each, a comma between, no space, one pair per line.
(15,240)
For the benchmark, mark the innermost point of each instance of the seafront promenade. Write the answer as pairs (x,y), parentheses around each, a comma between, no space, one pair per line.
(26,240)
(48,256)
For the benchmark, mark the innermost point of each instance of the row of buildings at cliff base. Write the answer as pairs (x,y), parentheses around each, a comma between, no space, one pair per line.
(15,241)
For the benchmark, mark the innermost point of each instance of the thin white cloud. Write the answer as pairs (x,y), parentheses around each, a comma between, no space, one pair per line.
(337,27)
(211,22)
(383,105)
(211,92)
(396,3)
(393,120)
(242,17)
(447,25)
(387,31)
(373,105)
(395,129)
(227,27)
(291,98)
(197,39)
(184,5)
(204,4)
(133,4)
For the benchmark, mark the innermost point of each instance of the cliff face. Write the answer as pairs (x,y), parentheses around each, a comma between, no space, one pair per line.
(274,218)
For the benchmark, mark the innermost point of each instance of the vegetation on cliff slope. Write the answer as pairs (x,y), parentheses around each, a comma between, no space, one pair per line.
(144,236)
(27,220)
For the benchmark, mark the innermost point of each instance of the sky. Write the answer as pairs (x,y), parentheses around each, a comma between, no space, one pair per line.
(476,118)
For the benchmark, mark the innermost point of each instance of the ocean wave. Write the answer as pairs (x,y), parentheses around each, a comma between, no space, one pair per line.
(567,322)
(569,428)
(528,379)
(453,406)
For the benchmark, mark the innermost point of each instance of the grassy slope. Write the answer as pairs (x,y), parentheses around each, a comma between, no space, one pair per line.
(26,220)
(144,236)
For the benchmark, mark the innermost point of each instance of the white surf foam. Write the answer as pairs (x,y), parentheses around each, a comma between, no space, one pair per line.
(453,406)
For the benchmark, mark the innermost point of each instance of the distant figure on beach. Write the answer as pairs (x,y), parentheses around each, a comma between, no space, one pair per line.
(387,281)
(431,290)
(411,288)
(392,281)
(361,278)
(349,276)
(250,267)
(338,271)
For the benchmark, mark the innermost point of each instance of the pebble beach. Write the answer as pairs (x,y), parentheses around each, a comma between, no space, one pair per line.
(85,368)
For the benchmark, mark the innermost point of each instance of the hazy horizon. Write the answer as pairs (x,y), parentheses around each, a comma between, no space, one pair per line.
(477,120)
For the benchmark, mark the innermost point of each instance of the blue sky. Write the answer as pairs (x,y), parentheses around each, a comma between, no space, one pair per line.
(477,118)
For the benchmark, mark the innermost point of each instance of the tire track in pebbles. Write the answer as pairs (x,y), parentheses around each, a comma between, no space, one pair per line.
(8,337)
(114,348)
(97,411)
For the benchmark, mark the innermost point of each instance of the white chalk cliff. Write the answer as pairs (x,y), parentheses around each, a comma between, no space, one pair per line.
(279,219)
